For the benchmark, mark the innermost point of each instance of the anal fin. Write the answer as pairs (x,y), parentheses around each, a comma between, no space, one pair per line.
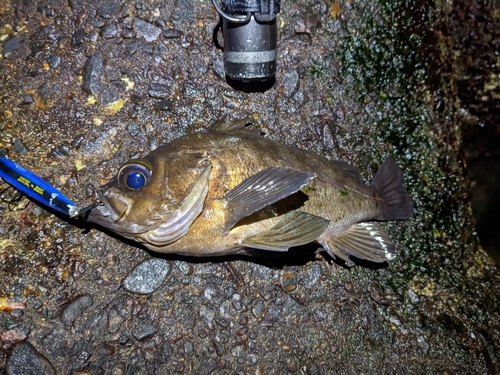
(261,190)
(295,228)
(363,240)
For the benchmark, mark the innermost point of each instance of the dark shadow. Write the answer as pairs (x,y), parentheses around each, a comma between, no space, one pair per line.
(251,86)
(295,256)
(367,264)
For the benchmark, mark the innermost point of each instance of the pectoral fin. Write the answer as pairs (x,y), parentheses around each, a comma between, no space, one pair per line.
(363,240)
(296,228)
(261,190)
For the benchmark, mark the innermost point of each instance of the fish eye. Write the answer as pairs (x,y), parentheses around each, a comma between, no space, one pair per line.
(134,176)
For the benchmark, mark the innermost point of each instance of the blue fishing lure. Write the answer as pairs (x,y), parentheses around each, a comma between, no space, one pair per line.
(37,189)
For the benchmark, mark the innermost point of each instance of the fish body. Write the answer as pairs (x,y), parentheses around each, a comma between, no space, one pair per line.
(231,191)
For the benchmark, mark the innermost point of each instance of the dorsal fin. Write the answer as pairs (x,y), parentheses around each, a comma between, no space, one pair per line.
(222,125)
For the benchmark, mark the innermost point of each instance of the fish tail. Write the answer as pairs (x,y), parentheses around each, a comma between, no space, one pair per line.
(390,185)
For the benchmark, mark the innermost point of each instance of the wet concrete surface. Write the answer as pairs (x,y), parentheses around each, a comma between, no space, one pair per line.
(86,86)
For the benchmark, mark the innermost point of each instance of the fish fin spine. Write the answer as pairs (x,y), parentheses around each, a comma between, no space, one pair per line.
(222,125)
(366,240)
(390,186)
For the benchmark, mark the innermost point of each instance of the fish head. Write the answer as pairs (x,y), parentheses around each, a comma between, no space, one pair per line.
(135,200)
(154,199)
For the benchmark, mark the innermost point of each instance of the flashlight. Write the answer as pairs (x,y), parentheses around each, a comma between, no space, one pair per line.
(249,29)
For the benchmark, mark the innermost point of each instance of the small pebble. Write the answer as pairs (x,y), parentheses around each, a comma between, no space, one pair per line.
(109,31)
(115,321)
(258,309)
(12,45)
(123,339)
(75,309)
(109,94)
(172,34)
(251,359)
(164,105)
(159,91)
(132,114)
(146,30)
(133,129)
(160,22)
(188,348)
(78,38)
(147,277)
(19,147)
(60,152)
(165,351)
(78,141)
(143,332)
(27,99)
(93,73)
(17,313)
(25,359)
(35,51)
(14,335)
(290,83)
(108,9)
(313,275)
(93,35)
(289,281)
(99,23)
(128,33)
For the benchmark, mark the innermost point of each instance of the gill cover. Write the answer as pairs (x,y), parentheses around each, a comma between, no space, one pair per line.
(178,223)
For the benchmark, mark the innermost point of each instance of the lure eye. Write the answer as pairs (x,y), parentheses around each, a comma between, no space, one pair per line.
(134,176)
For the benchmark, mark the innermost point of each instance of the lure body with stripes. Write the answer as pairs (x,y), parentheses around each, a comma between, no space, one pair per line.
(230,191)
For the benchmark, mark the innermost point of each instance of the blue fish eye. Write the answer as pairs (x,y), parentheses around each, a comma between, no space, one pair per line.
(135,180)
(134,176)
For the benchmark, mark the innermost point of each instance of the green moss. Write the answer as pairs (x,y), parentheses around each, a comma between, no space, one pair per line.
(395,58)
(319,69)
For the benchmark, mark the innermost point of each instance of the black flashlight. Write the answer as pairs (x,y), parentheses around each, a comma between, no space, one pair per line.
(249,29)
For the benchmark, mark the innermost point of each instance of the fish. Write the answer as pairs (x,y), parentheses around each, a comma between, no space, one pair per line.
(229,190)
(36,188)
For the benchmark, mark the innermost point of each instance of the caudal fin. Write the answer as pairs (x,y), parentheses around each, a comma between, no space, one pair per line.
(390,185)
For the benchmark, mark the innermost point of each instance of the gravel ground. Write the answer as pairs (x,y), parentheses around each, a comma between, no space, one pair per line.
(87,85)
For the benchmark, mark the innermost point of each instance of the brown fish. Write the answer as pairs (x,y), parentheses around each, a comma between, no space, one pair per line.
(229,190)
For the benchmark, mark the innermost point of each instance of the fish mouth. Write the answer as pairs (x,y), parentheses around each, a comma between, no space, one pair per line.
(115,205)
(107,213)
(111,214)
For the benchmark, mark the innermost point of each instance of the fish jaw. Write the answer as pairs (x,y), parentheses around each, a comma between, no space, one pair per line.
(111,214)
(115,205)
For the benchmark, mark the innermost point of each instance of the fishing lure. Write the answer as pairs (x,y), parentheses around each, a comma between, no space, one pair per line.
(37,189)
